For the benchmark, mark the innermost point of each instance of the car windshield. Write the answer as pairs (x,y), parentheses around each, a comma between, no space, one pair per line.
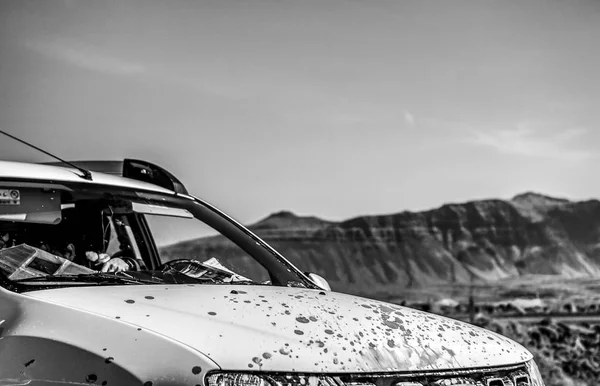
(73,234)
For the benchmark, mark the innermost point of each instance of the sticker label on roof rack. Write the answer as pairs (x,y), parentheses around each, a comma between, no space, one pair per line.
(10,197)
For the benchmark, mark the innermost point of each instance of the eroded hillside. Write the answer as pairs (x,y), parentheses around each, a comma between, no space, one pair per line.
(485,240)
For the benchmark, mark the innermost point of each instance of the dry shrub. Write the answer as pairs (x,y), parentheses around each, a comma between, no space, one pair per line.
(567,355)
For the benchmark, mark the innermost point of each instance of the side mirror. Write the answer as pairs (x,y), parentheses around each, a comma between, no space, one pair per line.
(319,280)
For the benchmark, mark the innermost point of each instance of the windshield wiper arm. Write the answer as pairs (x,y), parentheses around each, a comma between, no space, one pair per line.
(99,277)
(243,282)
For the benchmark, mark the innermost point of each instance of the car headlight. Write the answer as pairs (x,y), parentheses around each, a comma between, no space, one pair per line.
(534,374)
(249,379)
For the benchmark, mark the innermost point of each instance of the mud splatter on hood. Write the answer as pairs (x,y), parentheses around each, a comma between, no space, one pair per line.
(289,329)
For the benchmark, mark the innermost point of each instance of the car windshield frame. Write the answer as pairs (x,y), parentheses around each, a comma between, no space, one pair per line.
(282,272)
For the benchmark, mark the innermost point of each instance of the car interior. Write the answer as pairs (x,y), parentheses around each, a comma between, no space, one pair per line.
(82,230)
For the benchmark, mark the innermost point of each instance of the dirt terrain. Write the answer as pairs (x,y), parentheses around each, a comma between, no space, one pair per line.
(555,292)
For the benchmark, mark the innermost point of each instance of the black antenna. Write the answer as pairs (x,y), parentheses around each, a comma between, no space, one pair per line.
(86,173)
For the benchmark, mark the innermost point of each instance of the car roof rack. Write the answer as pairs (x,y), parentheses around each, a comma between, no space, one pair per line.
(131,168)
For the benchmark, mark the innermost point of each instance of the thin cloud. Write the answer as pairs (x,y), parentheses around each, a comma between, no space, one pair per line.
(409,119)
(524,140)
(86,57)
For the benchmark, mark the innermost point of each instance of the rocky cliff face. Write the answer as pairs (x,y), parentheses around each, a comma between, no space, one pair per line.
(485,240)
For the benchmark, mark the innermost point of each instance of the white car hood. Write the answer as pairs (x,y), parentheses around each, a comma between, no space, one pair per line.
(290,329)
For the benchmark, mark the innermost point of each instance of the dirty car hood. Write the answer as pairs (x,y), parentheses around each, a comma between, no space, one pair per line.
(290,329)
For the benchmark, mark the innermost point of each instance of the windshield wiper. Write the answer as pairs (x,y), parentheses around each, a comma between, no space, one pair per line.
(98,277)
(296,284)
(243,282)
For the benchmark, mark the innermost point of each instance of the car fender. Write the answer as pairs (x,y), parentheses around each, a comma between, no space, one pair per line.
(46,343)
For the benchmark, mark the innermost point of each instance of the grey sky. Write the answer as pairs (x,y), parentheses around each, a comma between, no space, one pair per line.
(333,108)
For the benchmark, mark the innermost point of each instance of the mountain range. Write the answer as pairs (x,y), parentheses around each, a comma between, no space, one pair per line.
(483,240)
